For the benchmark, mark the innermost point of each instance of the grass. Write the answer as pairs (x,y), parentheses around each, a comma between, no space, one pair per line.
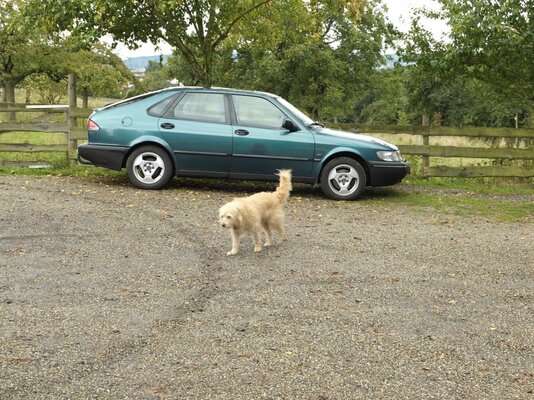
(488,186)
(56,159)
(494,199)
(441,205)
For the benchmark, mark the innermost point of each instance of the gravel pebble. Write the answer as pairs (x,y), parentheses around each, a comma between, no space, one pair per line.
(108,292)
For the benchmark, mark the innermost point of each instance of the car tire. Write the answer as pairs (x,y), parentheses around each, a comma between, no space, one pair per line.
(150,167)
(343,179)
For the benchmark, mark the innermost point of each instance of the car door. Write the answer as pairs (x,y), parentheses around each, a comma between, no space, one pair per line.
(198,130)
(261,146)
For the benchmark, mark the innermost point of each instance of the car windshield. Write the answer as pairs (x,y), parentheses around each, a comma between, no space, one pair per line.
(299,114)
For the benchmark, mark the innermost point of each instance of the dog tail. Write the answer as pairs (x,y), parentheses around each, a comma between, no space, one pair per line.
(284,187)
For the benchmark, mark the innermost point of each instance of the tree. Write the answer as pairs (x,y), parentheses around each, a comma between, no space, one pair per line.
(489,42)
(318,54)
(19,47)
(99,71)
(495,40)
(195,28)
(28,54)
(156,76)
(384,101)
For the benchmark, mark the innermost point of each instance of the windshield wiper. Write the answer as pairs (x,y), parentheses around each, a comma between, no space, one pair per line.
(315,124)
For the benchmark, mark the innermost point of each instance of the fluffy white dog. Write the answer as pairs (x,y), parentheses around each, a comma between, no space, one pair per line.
(261,212)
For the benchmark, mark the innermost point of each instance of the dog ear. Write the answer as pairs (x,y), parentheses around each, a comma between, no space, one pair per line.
(238,219)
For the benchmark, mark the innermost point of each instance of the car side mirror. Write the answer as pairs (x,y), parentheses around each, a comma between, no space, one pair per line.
(290,125)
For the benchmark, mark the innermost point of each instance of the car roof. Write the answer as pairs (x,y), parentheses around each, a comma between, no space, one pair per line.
(186,88)
(223,89)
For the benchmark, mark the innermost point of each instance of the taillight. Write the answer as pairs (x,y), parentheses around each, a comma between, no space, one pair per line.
(92,126)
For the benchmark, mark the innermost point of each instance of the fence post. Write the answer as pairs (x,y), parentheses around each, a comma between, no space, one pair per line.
(72,144)
(426,142)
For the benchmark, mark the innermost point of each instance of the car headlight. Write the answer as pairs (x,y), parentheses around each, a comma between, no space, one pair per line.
(389,155)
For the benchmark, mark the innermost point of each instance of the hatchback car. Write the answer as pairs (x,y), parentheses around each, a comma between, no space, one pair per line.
(229,133)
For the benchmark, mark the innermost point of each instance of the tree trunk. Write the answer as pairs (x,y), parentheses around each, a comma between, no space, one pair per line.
(9,93)
(85,99)
(9,90)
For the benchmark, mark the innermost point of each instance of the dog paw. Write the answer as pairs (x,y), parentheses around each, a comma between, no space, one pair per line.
(257,249)
(267,244)
(231,253)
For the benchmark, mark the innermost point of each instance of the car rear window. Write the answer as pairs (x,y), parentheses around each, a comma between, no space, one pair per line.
(134,99)
(158,109)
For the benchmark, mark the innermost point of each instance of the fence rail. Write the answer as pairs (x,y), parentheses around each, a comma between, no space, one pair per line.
(73,133)
(50,127)
(428,151)
(68,127)
(422,130)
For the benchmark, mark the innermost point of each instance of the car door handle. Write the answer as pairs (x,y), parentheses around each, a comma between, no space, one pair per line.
(167,125)
(241,132)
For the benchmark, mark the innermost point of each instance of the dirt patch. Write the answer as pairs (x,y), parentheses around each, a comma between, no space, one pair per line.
(111,292)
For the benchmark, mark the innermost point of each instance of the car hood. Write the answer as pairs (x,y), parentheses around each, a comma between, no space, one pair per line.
(355,137)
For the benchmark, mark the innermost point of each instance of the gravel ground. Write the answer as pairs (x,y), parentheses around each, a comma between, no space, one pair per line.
(108,292)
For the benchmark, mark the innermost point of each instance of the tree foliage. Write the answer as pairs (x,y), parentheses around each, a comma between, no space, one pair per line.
(19,47)
(32,55)
(100,72)
(318,54)
(195,28)
(489,48)
(384,101)
(156,76)
(325,56)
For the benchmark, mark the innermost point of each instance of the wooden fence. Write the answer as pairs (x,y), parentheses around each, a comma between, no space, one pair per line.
(73,132)
(428,150)
(68,127)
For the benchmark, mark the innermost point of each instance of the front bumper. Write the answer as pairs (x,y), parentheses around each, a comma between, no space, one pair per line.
(386,173)
(111,157)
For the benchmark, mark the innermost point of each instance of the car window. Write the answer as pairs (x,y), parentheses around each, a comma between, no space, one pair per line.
(257,111)
(158,109)
(207,107)
(134,99)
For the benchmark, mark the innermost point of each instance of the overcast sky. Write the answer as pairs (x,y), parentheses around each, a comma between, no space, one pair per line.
(399,12)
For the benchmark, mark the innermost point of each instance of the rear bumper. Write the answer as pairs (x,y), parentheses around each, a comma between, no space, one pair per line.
(102,156)
(385,173)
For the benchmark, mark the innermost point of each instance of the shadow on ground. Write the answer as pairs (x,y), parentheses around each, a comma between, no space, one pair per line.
(244,188)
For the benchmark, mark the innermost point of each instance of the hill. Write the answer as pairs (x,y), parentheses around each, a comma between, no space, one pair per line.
(140,63)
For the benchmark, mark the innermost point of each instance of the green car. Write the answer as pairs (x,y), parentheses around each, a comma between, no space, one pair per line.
(237,134)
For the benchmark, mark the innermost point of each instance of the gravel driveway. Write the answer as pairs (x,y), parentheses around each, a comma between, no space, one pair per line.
(108,292)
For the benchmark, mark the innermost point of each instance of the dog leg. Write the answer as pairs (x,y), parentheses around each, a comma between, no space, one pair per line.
(269,234)
(257,240)
(235,242)
(282,236)
(279,226)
